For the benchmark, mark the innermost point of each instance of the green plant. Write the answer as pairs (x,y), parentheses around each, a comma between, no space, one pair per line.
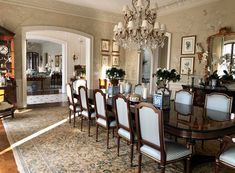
(165,76)
(115,73)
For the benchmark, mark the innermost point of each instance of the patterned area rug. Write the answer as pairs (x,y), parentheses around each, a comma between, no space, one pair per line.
(64,148)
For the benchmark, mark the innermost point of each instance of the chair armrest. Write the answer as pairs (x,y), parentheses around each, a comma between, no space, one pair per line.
(226,142)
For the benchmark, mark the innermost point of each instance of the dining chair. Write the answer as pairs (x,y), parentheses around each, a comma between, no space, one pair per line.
(104,118)
(87,111)
(74,108)
(6,107)
(124,123)
(151,143)
(77,83)
(218,102)
(226,155)
(184,97)
(138,89)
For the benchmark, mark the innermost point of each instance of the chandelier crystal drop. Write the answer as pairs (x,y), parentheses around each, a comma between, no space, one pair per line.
(140,28)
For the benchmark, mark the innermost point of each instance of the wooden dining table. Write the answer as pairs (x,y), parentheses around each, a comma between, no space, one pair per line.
(190,122)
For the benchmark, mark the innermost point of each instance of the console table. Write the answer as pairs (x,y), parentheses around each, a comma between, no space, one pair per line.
(201,91)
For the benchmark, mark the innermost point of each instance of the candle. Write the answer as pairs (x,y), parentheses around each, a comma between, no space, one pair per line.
(145,93)
(121,88)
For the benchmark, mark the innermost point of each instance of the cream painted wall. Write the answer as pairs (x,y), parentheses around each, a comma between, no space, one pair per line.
(18,17)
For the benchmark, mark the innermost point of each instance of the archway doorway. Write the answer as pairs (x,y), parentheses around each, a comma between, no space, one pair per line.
(54,34)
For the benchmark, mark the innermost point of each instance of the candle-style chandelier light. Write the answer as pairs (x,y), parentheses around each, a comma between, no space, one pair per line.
(140,28)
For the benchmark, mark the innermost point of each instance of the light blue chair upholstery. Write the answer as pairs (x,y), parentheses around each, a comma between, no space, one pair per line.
(73,104)
(150,133)
(226,155)
(184,97)
(138,89)
(123,118)
(103,117)
(219,102)
(86,111)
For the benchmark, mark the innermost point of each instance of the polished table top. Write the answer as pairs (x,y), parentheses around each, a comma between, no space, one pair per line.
(192,122)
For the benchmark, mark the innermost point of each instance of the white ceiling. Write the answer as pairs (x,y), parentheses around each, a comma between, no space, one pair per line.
(115,6)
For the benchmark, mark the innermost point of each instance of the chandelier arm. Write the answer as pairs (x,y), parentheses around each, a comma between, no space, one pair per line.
(147,11)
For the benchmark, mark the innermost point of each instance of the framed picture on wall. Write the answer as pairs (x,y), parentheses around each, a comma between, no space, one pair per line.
(115,59)
(105,45)
(186,65)
(115,47)
(188,45)
(105,60)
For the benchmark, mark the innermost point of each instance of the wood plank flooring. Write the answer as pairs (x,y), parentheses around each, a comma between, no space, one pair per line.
(7,160)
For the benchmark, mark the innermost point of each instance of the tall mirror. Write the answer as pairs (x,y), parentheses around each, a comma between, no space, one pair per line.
(221,51)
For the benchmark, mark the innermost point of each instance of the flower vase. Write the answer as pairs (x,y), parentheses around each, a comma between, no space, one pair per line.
(162,98)
(213,83)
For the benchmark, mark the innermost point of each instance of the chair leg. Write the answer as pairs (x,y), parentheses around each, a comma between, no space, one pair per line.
(132,147)
(113,132)
(81,122)
(12,114)
(139,162)
(96,137)
(217,166)
(162,169)
(118,144)
(188,165)
(89,127)
(108,138)
(74,119)
(69,116)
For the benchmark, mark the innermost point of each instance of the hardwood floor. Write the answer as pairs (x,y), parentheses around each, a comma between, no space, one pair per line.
(7,160)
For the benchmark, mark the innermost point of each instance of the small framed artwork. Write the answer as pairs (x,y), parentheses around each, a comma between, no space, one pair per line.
(105,60)
(105,45)
(115,47)
(186,65)
(115,59)
(188,45)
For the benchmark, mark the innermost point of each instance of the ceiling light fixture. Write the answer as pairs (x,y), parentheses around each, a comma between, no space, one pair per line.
(140,28)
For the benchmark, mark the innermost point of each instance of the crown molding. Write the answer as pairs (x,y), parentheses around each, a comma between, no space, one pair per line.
(67,9)
(99,15)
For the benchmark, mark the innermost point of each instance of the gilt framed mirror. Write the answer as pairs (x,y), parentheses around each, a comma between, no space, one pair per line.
(221,51)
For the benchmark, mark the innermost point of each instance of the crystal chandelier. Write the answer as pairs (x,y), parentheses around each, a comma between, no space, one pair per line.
(140,28)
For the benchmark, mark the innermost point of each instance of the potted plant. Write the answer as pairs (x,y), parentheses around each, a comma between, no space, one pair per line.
(164,76)
(114,74)
(162,98)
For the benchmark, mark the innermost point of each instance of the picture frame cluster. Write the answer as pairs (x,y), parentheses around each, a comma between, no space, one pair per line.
(110,49)
(188,47)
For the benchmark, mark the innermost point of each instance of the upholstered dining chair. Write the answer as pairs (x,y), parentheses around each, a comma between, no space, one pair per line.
(184,97)
(138,89)
(87,111)
(226,155)
(218,102)
(150,135)
(77,83)
(104,118)
(74,108)
(124,125)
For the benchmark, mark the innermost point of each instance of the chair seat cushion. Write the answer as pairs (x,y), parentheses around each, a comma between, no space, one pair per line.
(228,156)
(85,114)
(102,122)
(78,109)
(5,105)
(173,151)
(124,133)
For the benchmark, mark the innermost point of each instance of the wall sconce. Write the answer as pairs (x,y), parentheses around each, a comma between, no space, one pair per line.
(199,51)
(75,57)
